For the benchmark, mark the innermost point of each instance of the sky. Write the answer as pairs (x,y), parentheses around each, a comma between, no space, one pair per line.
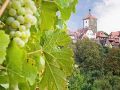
(107,13)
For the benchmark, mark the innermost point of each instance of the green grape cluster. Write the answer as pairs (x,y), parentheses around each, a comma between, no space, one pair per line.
(21,18)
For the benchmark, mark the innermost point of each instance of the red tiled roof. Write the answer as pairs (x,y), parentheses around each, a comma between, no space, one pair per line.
(83,31)
(101,34)
(115,38)
(90,17)
(115,33)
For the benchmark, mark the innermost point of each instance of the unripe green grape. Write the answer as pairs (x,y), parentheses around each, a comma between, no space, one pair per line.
(23,36)
(12,29)
(18,34)
(34,20)
(28,25)
(22,2)
(27,0)
(34,9)
(28,11)
(27,33)
(16,4)
(15,24)
(28,18)
(25,40)
(22,28)
(12,12)
(29,3)
(12,33)
(16,39)
(10,20)
(19,41)
(21,11)
(20,19)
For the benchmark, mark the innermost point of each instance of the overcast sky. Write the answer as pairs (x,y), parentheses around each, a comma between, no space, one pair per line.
(106,11)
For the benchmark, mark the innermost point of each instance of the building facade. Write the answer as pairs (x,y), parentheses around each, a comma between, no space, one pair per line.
(89,31)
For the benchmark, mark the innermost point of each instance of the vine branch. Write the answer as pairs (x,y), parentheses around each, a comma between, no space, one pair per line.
(2,9)
(34,52)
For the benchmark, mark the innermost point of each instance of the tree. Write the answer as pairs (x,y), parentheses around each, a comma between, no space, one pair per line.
(99,65)
(112,62)
(76,80)
(88,54)
(115,82)
(101,85)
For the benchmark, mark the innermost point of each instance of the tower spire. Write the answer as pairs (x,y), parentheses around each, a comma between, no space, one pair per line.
(89,11)
(90,22)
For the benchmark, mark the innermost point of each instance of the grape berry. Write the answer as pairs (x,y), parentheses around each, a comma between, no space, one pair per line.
(21,18)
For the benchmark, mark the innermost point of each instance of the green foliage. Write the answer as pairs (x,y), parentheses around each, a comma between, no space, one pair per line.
(115,82)
(49,9)
(63,3)
(76,80)
(56,44)
(53,78)
(4,41)
(30,71)
(99,65)
(48,15)
(66,12)
(112,62)
(46,59)
(101,85)
(57,56)
(15,58)
(88,54)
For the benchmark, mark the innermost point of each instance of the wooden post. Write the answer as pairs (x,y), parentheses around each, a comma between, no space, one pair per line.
(2,9)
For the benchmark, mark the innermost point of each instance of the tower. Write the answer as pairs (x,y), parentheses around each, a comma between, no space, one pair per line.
(90,22)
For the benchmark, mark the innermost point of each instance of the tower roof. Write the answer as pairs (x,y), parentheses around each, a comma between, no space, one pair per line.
(89,16)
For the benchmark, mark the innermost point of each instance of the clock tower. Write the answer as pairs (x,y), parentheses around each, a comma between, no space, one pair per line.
(90,22)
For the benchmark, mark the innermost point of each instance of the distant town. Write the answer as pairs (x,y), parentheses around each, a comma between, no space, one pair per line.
(89,30)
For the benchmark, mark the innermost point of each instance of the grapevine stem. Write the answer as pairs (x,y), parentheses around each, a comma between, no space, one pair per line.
(38,51)
(2,9)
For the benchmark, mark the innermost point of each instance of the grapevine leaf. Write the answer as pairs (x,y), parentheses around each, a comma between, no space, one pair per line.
(15,57)
(30,66)
(56,44)
(4,41)
(24,86)
(62,3)
(53,78)
(48,14)
(34,40)
(57,39)
(30,71)
(60,24)
(59,61)
(2,88)
(66,12)
(3,79)
(64,59)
